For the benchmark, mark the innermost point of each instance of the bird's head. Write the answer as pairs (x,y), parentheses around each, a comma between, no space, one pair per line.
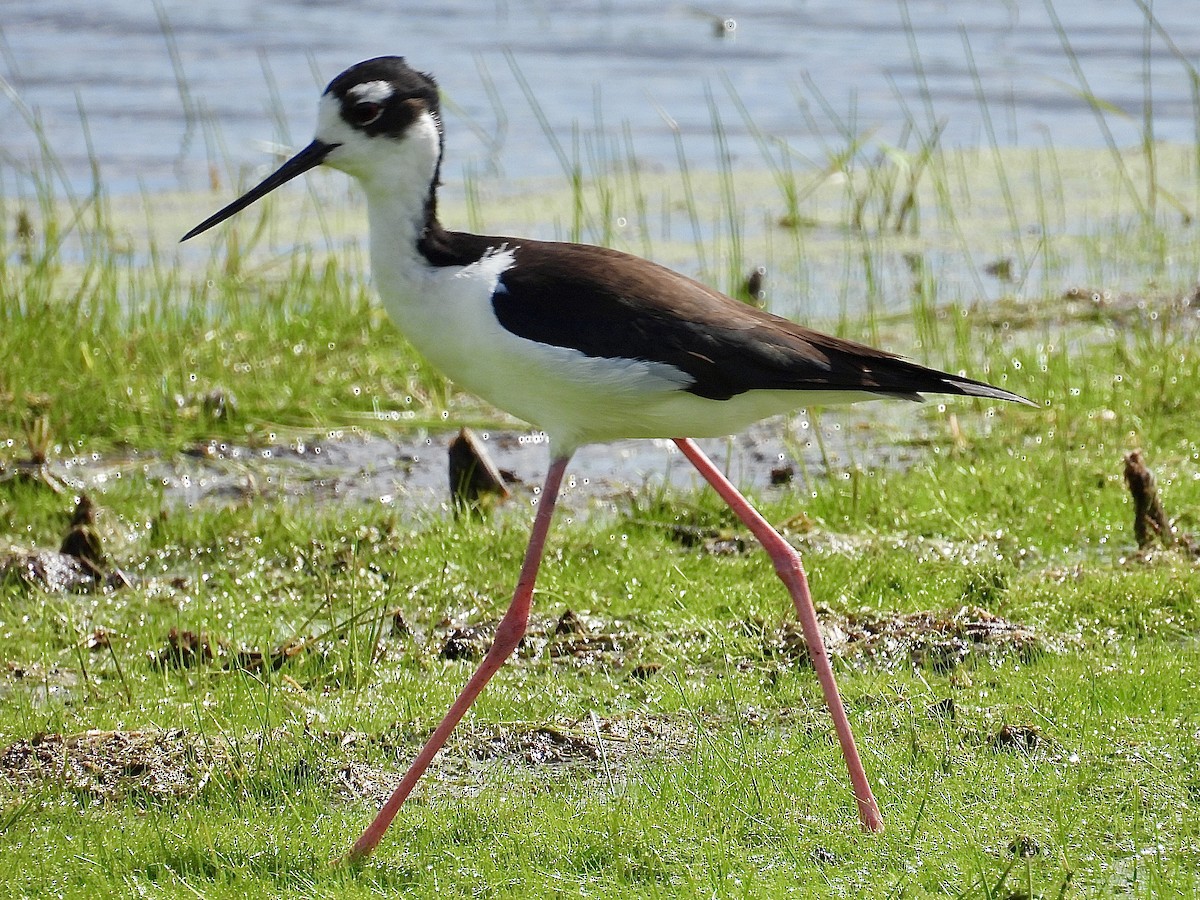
(378,121)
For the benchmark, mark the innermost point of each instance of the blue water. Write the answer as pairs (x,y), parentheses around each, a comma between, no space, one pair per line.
(594,68)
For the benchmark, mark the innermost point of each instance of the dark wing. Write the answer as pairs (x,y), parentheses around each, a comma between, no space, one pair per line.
(609,304)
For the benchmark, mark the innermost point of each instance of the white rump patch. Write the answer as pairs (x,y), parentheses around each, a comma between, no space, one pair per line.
(372,91)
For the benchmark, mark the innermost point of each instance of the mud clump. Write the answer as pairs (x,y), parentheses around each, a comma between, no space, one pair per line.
(82,540)
(476,482)
(185,650)
(714,541)
(400,626)
(577,742)
(470,642)
(536,747)
(100,639)
(78,566)
(644,671)
(218,404)
(250,660)
(1024,847)
(943,709)
(1149,519)
(569,623)
(938,640)
(781,475)
(570,638)
(1017,738)
(1151,525)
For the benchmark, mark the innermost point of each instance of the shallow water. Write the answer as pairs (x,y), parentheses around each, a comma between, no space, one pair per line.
(410,474)
(251,72)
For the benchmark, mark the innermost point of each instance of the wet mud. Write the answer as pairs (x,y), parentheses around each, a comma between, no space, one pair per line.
(940,641)
(170,764)
(110,765)
(166,764)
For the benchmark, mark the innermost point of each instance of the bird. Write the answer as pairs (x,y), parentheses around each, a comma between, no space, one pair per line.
(586,343)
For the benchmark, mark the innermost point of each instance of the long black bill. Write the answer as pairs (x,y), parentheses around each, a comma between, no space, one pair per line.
(309,157)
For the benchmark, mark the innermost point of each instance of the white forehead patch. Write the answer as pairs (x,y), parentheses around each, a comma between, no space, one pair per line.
(372,91)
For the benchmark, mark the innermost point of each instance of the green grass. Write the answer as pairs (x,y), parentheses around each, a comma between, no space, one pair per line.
(720,776)
(745,796)
(743,793)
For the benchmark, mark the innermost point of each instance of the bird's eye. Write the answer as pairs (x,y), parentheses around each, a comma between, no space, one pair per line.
(365,113)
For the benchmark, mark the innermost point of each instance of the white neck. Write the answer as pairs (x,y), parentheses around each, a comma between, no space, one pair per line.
(396,215)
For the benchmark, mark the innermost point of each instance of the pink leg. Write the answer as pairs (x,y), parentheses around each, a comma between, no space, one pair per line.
(791,571)
(508,636)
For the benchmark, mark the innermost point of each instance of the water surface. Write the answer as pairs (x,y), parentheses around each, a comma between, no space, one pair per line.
(249,73)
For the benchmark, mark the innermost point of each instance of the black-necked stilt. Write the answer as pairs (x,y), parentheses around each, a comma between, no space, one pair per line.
(587,343)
